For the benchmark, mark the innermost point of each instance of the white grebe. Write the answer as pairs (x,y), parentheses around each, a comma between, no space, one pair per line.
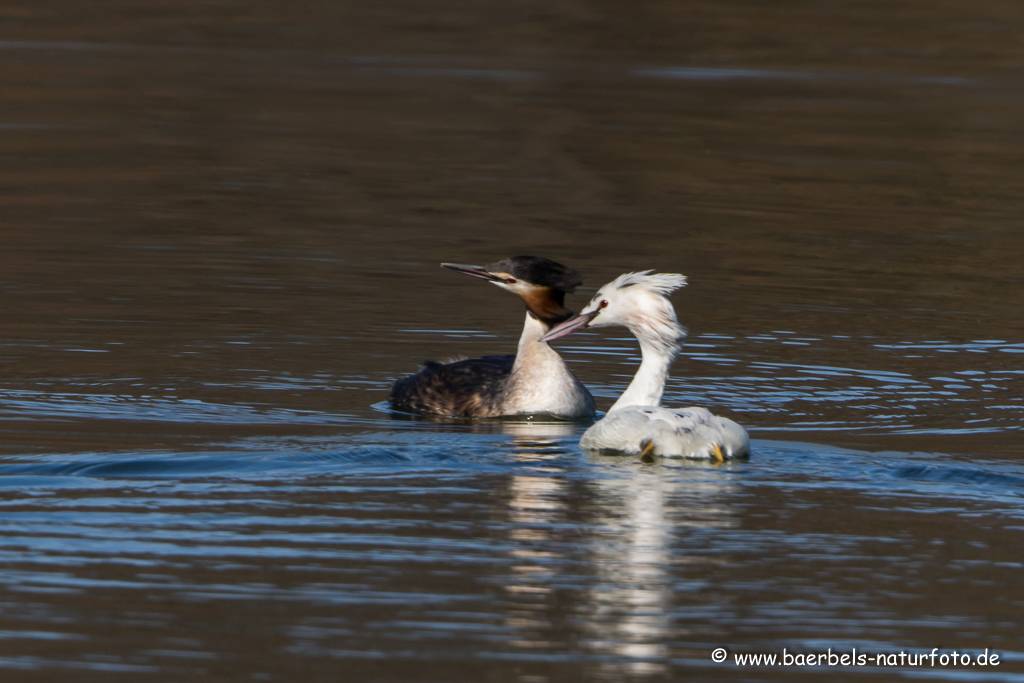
(636,423)
(535,380)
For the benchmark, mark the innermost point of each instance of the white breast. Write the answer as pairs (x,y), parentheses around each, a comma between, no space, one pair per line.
(683,432)
(543,384)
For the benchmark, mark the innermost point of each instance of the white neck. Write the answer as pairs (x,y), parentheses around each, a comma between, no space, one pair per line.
(648,384)
(540,381)
(533,330)
(537,365)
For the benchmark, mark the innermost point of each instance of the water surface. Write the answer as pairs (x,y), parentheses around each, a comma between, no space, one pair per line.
(222,225)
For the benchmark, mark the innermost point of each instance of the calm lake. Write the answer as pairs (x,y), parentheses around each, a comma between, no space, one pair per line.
(221,225)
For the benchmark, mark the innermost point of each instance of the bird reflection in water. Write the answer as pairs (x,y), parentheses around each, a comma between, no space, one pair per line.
(645,514)
(605,552)
(540,531)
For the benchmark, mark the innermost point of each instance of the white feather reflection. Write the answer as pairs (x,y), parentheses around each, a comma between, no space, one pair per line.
(625,529)
(637,555)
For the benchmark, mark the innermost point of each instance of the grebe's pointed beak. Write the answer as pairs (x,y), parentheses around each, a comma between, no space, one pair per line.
(475,271)
(577,322)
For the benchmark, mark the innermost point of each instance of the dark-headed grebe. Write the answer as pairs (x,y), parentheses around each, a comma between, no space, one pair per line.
(535,380)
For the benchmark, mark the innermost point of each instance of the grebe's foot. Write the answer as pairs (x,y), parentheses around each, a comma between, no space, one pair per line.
(647,451)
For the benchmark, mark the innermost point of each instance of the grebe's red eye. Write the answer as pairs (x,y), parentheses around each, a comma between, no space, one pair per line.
(603,304)
(510,281)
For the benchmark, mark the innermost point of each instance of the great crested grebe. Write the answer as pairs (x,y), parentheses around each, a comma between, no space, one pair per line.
(535,380)
(636,423)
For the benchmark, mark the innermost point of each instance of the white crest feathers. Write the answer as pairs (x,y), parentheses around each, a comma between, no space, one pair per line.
(659,283)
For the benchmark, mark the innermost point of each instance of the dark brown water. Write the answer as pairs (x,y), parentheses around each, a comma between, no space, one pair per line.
(221,229)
